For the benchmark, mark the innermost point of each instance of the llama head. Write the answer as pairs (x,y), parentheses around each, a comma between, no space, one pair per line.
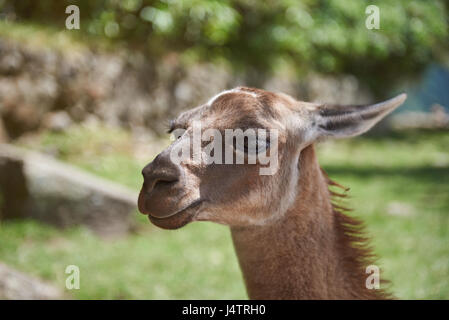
(235,160)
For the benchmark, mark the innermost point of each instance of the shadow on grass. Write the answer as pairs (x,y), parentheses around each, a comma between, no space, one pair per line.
(427,186)
(426,174)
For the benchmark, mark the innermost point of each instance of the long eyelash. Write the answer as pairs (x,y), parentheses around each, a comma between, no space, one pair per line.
(170,124)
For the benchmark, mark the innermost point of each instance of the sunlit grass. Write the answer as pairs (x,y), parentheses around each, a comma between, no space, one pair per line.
(399,187)
(51,37)
(195,262)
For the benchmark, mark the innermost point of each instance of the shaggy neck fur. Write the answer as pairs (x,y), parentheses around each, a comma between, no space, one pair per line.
(314,251)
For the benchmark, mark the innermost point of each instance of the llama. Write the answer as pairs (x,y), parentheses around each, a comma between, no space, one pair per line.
(292,241)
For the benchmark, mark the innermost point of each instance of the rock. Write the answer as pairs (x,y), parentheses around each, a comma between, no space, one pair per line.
(437,118)
(344,89)
(18,118)
(11,63)
(57,121)
(15,285)
(3,135)
(39,187)
(13,189)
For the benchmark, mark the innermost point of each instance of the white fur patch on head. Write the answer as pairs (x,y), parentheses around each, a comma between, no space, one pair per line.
(212,100)
(289,197)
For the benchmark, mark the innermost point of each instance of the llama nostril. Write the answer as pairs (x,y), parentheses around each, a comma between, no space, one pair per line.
(160,173)
(164,182)
(158,183)
(159,179)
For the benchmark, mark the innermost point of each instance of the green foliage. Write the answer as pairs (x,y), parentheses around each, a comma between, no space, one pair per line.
(327,36)
(401,194)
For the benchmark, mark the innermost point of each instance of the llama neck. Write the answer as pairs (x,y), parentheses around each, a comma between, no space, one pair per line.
(305,254)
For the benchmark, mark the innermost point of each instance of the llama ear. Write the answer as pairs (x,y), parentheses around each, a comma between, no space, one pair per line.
(342,121)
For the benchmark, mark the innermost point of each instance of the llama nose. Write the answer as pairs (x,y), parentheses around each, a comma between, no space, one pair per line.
(160,172)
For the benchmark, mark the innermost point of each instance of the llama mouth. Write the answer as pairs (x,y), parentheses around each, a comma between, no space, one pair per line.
(194,204)
(179,218)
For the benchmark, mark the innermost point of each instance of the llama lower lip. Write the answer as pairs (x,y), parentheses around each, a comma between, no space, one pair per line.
(194,204)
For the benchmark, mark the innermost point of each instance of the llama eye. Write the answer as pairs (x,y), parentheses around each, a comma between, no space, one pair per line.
(252,145)
(262,145)
(177,134)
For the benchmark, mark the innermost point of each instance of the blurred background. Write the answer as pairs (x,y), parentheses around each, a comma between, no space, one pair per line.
(83,110)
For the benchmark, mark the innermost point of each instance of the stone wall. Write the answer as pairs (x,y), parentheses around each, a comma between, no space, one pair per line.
(46,88)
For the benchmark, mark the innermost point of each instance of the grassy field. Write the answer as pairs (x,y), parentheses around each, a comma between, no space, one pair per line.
(399,186)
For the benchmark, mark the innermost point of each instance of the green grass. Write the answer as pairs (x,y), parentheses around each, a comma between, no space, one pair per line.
(57,38)
(399,187)
(196,262)
(409,170)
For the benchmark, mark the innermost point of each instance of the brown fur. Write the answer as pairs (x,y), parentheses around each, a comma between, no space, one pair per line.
(315,252)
